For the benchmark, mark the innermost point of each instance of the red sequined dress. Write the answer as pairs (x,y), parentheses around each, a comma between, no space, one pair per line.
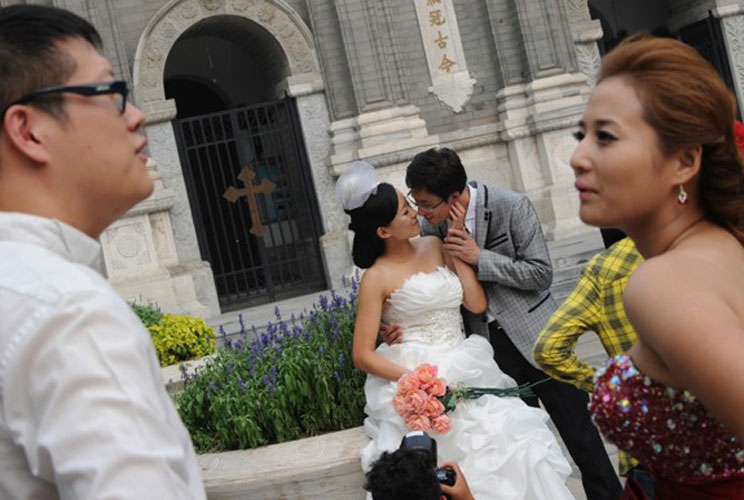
(666,429)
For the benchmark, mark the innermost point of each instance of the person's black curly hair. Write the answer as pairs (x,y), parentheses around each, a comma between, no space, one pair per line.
(403,475)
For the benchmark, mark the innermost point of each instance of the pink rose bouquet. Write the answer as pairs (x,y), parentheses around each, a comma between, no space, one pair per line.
(422,399)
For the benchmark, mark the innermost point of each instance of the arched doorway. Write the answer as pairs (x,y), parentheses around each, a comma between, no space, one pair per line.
(244,164)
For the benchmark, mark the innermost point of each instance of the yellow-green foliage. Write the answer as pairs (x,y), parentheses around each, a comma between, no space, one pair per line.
(181,338)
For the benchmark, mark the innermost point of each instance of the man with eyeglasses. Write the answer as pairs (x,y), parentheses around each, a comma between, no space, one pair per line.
(85,413)
(503,241)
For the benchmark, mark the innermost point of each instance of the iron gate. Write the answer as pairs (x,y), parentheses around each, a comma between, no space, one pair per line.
(253,202)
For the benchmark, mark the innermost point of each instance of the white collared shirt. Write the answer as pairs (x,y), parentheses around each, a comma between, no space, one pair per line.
(470,213)
(84,413)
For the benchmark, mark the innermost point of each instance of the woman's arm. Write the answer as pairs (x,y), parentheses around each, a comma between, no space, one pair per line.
(684,319)
(371,299)
(473,296)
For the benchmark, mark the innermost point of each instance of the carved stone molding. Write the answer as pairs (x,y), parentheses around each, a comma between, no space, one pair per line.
(177,16)
(587,55)
(733,31)
(578,10)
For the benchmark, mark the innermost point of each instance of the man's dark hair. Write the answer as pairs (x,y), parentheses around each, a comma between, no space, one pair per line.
(439,171)
(30,56)
(403,475)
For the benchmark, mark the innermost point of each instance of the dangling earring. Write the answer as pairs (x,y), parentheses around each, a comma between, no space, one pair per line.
(682,196)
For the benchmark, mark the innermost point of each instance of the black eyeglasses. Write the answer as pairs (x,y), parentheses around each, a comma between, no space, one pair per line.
(412,202)
(118,87)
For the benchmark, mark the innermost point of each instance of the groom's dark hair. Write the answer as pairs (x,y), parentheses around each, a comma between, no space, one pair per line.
(403,475)
(378,211)
(439,171)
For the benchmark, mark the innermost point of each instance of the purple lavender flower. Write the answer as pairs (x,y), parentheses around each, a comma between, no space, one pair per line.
(273,374)
(242,324)
(337,376)
(222,331)
(343,281)
(296,331)
(277,313)
(184,372)
(324,302)
(321,350)
(228,343)
(341,360)
(228,367)
(292,318)
(212,387)
(354,285)
(240,383)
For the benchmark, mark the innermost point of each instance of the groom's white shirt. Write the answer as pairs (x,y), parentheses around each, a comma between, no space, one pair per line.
(470,213)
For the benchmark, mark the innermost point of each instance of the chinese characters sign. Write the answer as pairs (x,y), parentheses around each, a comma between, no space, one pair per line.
(451,82)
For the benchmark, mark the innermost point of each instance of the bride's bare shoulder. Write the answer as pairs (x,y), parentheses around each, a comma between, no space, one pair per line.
(428,242)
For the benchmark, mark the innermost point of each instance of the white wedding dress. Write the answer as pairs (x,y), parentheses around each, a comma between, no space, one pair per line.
(503,446)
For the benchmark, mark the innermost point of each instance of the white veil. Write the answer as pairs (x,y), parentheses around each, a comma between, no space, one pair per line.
(356,185)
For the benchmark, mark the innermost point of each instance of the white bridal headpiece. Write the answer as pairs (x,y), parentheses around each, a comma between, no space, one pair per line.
(356,185)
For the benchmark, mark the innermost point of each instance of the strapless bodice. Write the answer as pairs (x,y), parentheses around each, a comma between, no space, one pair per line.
(667,429)
(427,308)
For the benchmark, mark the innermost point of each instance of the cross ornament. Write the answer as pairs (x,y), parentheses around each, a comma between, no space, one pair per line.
(250,191)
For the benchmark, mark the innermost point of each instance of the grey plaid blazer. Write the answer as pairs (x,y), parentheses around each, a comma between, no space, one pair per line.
(514,266)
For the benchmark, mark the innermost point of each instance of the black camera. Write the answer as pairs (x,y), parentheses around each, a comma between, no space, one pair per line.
(423,443)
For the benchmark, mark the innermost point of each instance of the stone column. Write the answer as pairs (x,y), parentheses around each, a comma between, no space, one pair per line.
(141,260)
(585,33)
(541,101)
(732,26)
(314,117)
(385,124)
(164,150)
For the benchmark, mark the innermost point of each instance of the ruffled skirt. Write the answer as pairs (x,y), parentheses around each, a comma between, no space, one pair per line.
(504,447)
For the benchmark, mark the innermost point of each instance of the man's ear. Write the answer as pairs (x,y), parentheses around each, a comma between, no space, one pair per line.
(688,162)
(23,127)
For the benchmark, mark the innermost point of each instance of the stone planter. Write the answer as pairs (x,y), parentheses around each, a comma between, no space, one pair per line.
(325,467)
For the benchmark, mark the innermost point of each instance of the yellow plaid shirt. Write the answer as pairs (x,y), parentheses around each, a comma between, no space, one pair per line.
(596,304)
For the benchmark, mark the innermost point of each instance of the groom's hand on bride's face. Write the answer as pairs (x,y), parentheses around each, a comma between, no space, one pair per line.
(458,243)
(391,334)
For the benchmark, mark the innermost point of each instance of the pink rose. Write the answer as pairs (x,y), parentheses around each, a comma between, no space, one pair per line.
(417,400)
(408,382)
(437,388)
(426,374)
(433,407)
(418,423)
(401,405)
(441,424)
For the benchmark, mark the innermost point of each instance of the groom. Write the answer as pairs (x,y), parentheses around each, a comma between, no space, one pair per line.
(503,241)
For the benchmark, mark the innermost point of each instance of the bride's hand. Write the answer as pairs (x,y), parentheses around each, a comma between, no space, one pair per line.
(457,216)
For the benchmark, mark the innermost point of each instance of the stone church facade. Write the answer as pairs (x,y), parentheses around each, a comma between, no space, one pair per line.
(255,107)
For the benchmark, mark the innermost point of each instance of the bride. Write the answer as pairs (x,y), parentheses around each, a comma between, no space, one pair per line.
(503,446)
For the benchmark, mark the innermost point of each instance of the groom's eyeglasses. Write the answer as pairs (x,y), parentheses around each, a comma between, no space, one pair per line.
(422,207)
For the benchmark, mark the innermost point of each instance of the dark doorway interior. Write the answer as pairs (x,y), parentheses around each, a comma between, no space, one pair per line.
(244,163)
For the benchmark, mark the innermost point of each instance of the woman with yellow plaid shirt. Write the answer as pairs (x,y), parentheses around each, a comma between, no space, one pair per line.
(594,305)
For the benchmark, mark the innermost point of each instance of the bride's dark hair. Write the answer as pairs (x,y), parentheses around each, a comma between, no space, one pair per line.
(378,211)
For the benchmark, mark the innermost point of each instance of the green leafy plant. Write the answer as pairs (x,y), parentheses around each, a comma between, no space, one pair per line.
(181,338)
(294,380)
(149,314)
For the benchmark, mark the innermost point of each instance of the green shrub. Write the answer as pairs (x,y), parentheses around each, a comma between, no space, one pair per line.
(294,380)
(149,314)
(181,338)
